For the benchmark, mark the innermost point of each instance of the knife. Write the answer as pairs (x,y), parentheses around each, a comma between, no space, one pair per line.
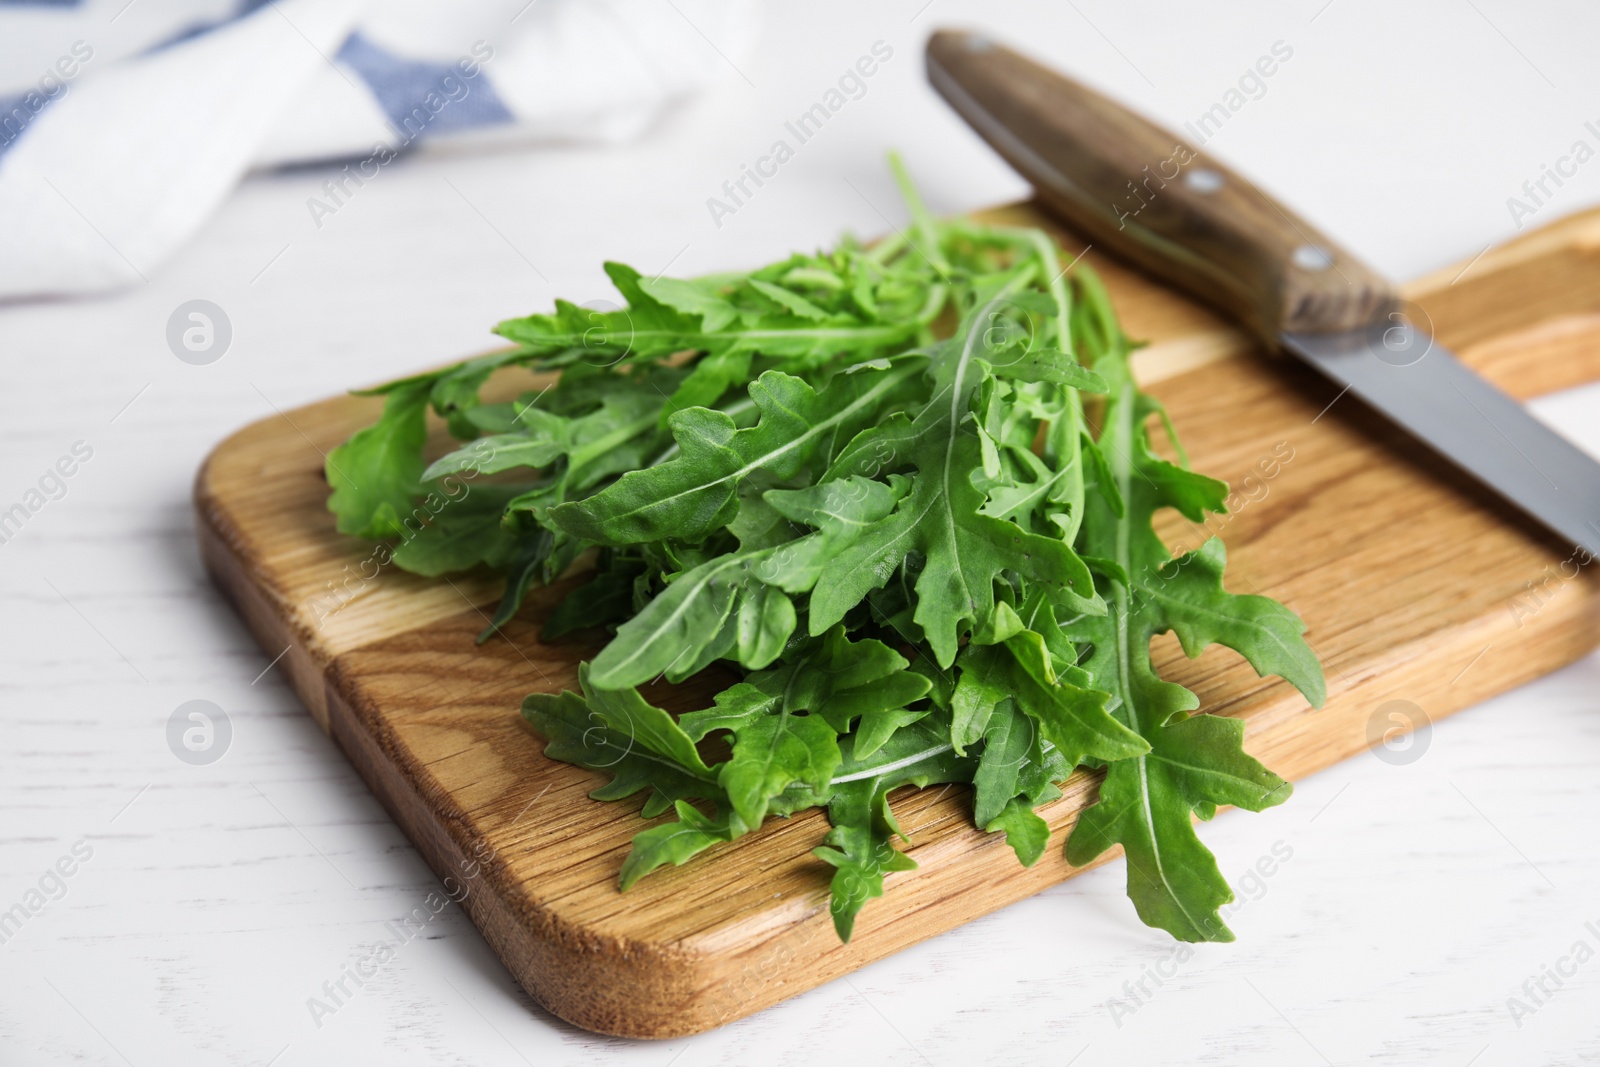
(1149,196)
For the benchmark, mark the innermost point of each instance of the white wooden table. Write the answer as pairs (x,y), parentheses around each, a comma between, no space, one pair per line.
(214,901)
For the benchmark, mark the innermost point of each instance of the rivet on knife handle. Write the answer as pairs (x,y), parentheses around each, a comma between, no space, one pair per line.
(1147,195)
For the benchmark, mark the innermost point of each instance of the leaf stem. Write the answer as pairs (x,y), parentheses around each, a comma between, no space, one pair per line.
(1065,438)
(927,229)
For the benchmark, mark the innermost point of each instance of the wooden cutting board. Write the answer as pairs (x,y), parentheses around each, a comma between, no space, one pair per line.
(1416,587)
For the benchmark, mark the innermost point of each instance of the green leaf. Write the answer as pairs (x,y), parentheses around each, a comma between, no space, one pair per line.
(766,619)
(460,532)
(1066,712)
(1008,740)
(980,688)
(697,618)
(696,493)
(1147,803)
(692,623)
(606,598)
(785,722)
(1145,806)
(1189,596)
(531,555)
(626,712)
(789,299)
(940,518)
(576,734)
(1025,496)
(1047,365)
(499,452)
(589,442)
(860,848)
(1026,832)
(774,747)
(875,726)
(676,842)
(729,319)
(454,395)
(646,328)
(1071,717)
(692,298)
(843,679)
(377,474)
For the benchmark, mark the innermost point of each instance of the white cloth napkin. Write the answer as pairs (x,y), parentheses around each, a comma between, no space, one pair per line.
(122,128)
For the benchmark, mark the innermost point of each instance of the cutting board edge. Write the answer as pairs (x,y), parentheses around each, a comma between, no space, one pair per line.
(243,584)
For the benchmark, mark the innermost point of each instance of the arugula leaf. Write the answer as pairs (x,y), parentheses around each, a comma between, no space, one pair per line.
(786,721)
(1009,738)
(461,533)
(576,734)
(729,322)
(1025,831)
(606,598)
(532,554)
(860,846)
(1147,802)
(697,618)
(678,841)
(454,393)
(696,493)
(625,711)
(1192,602)
(376,474)
(687,627)
(646,328)
(775,746)
(941,518)
(1072,717)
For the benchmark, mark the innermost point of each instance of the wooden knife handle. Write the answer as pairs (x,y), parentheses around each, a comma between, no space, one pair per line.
(1149,196)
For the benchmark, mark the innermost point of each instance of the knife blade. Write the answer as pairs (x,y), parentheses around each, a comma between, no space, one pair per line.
(1151,197)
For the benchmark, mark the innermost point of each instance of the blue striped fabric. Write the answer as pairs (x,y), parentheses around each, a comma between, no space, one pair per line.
(16,112)
(114,118)
(402,87)
(246,7)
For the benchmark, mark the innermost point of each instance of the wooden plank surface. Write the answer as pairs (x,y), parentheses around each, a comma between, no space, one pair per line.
(1416,587)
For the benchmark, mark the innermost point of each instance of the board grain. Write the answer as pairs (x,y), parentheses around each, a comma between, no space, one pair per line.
(1416,586)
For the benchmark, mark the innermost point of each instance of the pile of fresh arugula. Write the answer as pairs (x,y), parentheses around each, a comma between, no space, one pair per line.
(906,537)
